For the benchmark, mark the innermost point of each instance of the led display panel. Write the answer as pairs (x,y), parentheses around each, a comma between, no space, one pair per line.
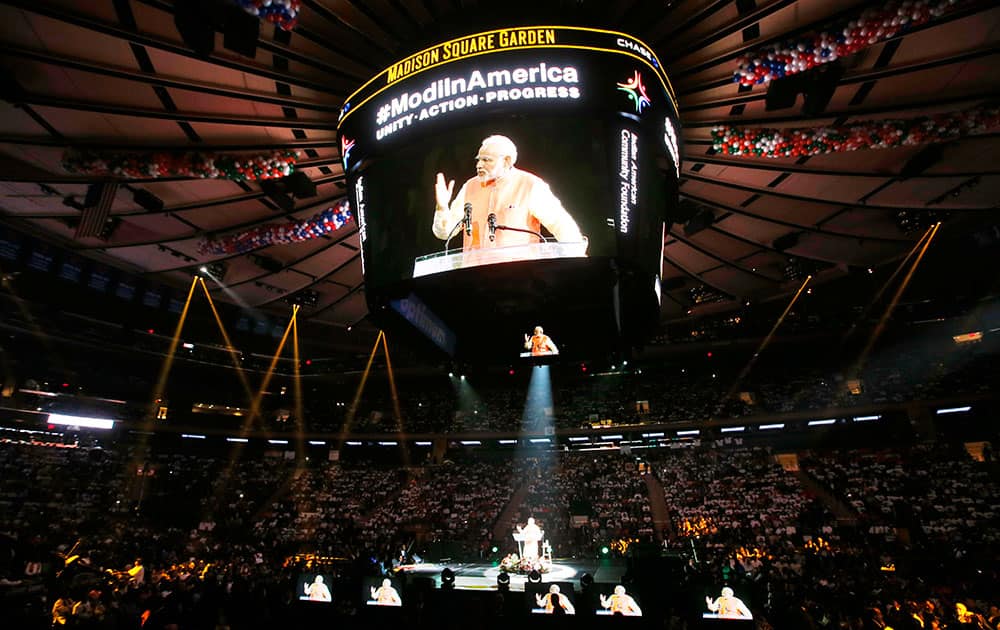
(523,144)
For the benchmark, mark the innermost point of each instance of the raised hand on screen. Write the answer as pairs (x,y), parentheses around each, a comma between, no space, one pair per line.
(442,192)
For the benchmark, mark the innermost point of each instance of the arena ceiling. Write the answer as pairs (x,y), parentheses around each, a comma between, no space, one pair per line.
(117,75)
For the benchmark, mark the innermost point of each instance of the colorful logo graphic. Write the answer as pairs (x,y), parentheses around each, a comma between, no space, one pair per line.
(345,149)
(636,92)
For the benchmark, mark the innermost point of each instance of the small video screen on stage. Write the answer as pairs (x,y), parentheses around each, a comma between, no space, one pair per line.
(550,598)
(725,604)
(537,343)
(382,592)
(315,587)
(615,600)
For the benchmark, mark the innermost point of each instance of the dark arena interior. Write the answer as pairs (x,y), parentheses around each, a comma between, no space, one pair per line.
(668,314)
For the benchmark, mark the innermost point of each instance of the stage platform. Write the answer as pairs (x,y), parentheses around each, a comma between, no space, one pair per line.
(483,576)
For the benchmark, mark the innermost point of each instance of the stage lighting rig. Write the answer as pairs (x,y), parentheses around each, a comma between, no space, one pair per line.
(218,269)
(797,269)
(109,228)
(268,287)
(306,297)
(917,221)
(214,270)
(705,295)
(447,579)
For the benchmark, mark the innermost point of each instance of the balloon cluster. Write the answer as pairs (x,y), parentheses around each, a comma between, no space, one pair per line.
(282,13)
(871,26)
(180,164)
(869,134)
(329,220)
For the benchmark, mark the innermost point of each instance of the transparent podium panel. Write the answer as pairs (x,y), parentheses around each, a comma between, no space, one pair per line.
(459,259)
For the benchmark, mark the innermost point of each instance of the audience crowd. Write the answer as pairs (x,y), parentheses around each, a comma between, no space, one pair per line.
(583,501)
(131,535)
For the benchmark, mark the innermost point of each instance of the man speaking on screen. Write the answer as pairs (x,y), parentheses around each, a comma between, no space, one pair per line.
(503,205)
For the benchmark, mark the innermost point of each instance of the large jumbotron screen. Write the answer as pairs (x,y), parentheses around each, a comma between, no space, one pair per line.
(531,149)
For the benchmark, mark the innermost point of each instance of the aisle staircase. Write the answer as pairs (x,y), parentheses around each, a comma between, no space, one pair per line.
(844,513)
(658,505)
(501,528)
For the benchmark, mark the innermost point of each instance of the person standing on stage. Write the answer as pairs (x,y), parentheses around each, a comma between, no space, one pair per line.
(532,535)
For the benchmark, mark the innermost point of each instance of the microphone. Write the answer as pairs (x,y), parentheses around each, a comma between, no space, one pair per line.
(468,219)
(491,224)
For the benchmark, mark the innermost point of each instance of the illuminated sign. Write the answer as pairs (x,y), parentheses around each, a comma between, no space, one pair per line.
(483,46)
(80,421)
(359,200)
(970,337)
(345,149)
(670,139)
(478,87)
(583,113)
(636,92)
(631,44)
(470,46)
(628,178)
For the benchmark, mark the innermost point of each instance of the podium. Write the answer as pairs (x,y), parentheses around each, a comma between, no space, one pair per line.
(546,550)
(459,259)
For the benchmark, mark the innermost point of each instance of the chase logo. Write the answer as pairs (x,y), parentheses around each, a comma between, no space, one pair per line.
(637,48)
(636,92)
(345,149)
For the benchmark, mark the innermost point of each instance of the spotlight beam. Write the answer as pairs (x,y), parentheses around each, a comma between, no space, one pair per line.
(229,344)
(395,401)
(237,451)
(353,409)
(763,344)
(886,285)
(255,405)
(299,418)
(161,381)
(895,300)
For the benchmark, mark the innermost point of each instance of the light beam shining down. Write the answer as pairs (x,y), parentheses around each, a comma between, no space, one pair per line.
(395,401)
(763,344)
(233,355)
(864,315)
(863,358)
(537,416)
(299,407)
(161,382)
(345,430)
